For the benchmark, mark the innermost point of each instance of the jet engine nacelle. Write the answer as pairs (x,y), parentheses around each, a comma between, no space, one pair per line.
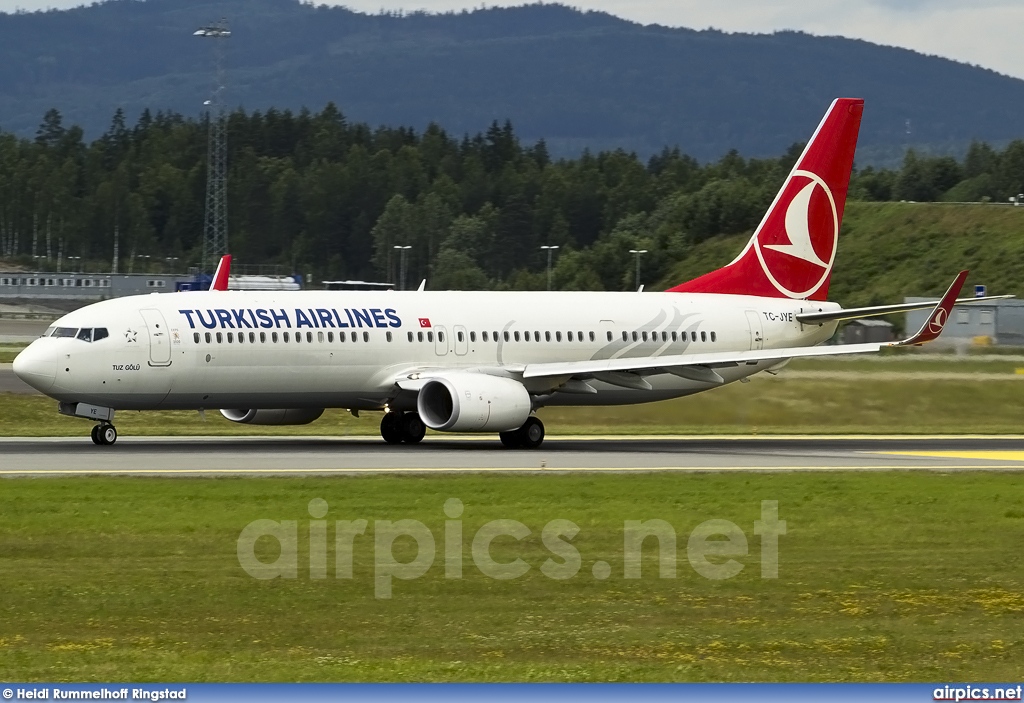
(473,402)
(299,416)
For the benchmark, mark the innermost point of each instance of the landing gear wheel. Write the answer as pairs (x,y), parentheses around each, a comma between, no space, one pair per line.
(391,428)
(510,439)
(107,434)
(531,434)
(413,428)
(95,434)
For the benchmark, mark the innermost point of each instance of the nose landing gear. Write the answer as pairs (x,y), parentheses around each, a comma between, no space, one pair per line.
(104,434)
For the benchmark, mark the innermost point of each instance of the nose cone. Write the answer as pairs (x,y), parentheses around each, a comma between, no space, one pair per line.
(36,367)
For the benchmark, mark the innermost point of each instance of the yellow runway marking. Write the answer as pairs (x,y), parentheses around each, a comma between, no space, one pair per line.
(966,454)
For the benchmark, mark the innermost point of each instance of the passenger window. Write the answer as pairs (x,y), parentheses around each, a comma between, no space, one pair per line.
(673,336)
(591,336)
(309,337)
(643,336)
(419,336)
(85,334)
(635,336)
(284,337)
(410,336)
(517,335)
(609,335)
(341,336)
(208,338)
(558,335)
(366,336)
(252,338)
(241,337)
(579,336)
(220,338)
(330,336)
(320,337)
(273,337)
(388,335)
(430,336)
(568,336)
(714,337)
(526,335)
(703,336)
(693,336)
(506,335)
(355,336)
(625,336)
(547,336)
(483,335)
(472,336)
(298,337)
(263,337)
(231,337)
(536,336)
(462,337)
(440,336)
(195,337)
(495,336)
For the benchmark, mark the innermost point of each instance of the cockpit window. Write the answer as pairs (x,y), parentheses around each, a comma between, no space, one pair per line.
(99,333)
(85,334)
(65,331)
(49,331)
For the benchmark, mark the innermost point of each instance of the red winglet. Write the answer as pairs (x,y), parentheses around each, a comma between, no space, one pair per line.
(220,276)
(939,315)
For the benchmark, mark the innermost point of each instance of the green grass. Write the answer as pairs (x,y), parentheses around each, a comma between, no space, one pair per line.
(893,577)
(9,351)
(889,250)
(766,405)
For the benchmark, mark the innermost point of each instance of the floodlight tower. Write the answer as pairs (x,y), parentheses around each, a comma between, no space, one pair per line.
(215,227)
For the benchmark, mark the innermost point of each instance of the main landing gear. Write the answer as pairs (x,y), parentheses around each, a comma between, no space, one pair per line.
(104,434)
(529,436)
(398,427)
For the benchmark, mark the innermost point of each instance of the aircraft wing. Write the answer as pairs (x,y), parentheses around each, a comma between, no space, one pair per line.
(629,371)
(874,311)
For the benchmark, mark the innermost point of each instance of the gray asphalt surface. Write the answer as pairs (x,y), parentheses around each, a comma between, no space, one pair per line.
(315,455)
(21,331)
(9,383)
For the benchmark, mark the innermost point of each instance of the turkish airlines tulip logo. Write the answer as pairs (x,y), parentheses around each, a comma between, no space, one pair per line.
(937,322)
(797,254)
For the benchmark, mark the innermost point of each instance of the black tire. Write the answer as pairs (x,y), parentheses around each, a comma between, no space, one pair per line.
(391,428)
(108,434)
(510,439)
(95,434)
(531,434)
(413,428)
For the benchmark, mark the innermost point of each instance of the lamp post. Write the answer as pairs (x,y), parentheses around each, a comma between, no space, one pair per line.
(401,265)
(549,249)
(637,252)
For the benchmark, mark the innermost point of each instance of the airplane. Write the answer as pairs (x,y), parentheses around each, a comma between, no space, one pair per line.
(456,361)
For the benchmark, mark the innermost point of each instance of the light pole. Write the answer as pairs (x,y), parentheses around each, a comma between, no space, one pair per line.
(637,252)
(215,225)
(549,249)
(401,265)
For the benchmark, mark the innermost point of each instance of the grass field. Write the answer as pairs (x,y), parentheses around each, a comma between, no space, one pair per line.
(895,577)
(918,399)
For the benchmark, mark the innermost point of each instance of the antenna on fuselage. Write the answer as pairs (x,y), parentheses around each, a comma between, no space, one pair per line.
(640,289)
(423,286)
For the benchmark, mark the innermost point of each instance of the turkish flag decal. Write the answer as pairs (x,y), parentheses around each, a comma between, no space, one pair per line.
(424,322)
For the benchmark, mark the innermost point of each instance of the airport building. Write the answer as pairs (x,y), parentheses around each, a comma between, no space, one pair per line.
(999,322)
(92,287)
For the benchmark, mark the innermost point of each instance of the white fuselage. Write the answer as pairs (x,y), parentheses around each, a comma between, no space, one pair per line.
(182,350)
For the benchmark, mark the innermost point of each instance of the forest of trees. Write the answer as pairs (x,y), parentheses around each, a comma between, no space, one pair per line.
(322,196)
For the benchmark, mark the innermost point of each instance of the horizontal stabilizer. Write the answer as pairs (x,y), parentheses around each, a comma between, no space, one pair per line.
(876,310)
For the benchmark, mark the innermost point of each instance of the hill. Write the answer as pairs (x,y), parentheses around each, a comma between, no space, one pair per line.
(576,79)
(891,250)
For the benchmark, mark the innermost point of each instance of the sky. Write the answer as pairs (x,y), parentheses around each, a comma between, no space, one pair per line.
(983,32)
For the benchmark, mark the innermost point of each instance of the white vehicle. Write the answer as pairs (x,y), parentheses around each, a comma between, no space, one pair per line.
(472,361)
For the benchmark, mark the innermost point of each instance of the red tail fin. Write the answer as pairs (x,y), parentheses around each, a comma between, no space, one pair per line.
(220,276)
(793,249)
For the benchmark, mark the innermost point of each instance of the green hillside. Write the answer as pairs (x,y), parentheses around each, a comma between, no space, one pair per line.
(890,250)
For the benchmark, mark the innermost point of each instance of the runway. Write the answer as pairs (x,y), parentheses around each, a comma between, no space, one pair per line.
(223,456)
